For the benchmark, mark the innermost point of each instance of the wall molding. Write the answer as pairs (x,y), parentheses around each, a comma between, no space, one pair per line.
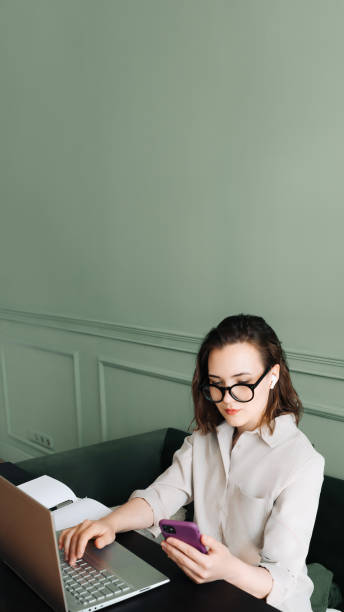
(77,392)
(12,453)
(314,358)
(173,341)
(299,361)
(135,368)
(320,410)
(326,412)
(317,373)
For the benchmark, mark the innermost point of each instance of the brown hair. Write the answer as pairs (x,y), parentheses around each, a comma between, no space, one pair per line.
(283,398)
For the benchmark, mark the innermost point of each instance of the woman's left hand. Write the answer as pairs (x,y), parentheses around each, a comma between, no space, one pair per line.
(218,564)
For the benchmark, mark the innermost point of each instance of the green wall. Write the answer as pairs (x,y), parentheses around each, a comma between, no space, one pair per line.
(166,163)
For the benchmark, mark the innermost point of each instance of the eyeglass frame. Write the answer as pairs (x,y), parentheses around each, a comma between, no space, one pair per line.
(223,390)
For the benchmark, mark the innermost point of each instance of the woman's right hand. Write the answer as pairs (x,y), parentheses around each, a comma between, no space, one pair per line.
(74,539)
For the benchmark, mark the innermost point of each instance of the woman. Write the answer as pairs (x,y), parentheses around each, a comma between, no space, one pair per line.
(254,477)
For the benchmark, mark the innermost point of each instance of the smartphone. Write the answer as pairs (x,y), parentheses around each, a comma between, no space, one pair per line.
(187,531)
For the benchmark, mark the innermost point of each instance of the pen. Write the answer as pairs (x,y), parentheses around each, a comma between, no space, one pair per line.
(65,503)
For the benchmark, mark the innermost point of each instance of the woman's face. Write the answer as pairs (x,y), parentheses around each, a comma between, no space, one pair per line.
(240,362)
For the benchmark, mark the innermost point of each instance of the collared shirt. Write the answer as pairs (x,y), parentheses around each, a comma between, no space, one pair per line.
(259,499)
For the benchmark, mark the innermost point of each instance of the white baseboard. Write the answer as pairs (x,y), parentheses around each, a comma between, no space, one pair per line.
(12,453)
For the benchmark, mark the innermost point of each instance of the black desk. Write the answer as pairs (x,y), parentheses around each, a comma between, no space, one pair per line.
(180,594)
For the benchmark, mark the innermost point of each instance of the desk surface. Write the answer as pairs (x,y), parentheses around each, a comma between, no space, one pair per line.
(180,594)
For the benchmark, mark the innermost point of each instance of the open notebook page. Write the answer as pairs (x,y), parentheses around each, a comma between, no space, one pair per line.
(48,491)
(71,515)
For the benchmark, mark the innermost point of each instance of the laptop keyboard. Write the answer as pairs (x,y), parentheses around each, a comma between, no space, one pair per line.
(90,585)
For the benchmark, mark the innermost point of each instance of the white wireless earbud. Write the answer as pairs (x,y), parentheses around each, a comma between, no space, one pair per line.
(274,381)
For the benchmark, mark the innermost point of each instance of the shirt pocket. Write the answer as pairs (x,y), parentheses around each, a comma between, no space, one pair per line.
(245,523)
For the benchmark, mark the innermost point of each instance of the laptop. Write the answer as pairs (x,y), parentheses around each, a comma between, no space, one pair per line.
(29,546)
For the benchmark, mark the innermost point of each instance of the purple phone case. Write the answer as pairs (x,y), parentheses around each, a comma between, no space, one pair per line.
(187,531)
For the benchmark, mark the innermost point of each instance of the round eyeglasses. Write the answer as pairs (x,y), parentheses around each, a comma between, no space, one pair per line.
(244,392)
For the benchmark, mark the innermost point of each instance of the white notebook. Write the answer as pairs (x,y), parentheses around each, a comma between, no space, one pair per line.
(66,509)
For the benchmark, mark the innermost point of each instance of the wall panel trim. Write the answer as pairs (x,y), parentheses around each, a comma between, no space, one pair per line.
(299,361)
(135,368)
(77,393)
(173,341)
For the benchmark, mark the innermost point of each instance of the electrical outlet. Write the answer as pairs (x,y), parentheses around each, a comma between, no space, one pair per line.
(40,438)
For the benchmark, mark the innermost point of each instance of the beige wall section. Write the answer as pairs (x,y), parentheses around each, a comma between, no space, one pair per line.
(166,163)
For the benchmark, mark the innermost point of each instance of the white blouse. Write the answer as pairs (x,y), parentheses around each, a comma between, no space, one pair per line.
(259,499)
